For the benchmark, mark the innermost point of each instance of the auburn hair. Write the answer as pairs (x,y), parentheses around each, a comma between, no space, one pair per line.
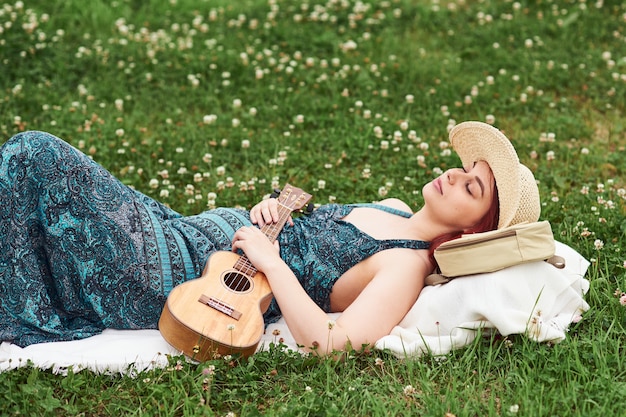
(488,222)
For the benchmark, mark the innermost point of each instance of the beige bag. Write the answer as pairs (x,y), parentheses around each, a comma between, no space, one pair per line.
(495,250)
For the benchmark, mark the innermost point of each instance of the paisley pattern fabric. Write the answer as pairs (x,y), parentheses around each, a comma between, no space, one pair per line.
(321,247)
(81,252)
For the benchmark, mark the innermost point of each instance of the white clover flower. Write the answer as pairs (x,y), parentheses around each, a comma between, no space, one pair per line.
(598,244)
(245,144)
(209,119)
(409,98)
(349,45)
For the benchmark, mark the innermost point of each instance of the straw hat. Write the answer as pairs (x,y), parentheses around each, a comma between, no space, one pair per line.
(518,194)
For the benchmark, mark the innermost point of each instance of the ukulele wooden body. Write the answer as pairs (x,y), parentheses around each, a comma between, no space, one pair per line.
(221,313)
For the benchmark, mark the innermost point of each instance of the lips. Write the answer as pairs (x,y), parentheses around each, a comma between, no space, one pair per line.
(437,185)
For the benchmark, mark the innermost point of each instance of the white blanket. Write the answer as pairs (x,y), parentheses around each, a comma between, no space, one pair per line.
(534,299)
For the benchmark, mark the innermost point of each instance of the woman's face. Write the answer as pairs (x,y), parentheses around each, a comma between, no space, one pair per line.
(461,197)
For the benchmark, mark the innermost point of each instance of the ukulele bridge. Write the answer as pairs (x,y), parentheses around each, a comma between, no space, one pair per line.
(220,306)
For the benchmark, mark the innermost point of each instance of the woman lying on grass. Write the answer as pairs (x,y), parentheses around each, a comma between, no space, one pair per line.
(81,252)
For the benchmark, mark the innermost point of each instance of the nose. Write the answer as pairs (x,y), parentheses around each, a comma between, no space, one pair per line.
(453,175)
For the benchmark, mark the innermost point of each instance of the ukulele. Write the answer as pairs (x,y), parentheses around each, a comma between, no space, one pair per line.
(221,313)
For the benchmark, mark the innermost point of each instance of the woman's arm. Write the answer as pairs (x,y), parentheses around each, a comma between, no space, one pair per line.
(379,307)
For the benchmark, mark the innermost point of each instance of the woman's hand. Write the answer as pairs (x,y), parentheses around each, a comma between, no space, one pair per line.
(260,251)
(266,212)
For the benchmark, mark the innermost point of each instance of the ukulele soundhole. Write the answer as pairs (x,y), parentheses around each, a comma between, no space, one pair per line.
(237,282)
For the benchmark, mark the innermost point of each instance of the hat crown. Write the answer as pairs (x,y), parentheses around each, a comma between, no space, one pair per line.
(518,194)
(528,208)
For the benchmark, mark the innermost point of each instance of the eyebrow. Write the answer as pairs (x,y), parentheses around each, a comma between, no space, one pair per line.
(482,186)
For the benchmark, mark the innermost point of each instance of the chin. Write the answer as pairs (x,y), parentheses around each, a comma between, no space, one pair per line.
(428,190)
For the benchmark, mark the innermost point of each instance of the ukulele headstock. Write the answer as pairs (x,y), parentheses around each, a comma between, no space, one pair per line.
(293,198)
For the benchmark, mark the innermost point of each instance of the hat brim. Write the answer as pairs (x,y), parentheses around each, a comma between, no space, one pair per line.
(477,141)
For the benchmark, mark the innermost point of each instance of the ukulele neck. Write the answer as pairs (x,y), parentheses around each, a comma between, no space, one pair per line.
(271,230)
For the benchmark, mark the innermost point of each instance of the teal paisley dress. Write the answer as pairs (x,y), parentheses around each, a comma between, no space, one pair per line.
(81,252)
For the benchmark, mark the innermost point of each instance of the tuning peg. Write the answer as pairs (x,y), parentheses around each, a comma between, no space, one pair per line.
(275,193)
(309,209)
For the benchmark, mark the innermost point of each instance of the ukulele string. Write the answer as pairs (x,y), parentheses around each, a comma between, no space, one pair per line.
(244,265)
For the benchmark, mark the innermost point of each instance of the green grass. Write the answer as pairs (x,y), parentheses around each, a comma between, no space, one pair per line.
(551,69)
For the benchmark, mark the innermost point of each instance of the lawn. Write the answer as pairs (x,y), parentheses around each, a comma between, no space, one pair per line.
(204,103)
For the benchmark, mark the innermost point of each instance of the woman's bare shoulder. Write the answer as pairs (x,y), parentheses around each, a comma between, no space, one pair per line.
(396,203)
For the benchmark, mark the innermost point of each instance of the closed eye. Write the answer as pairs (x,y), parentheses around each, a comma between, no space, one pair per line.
(467,184)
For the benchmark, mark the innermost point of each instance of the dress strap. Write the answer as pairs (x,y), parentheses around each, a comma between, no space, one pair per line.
(404,243)
(384,208)
(395,243)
